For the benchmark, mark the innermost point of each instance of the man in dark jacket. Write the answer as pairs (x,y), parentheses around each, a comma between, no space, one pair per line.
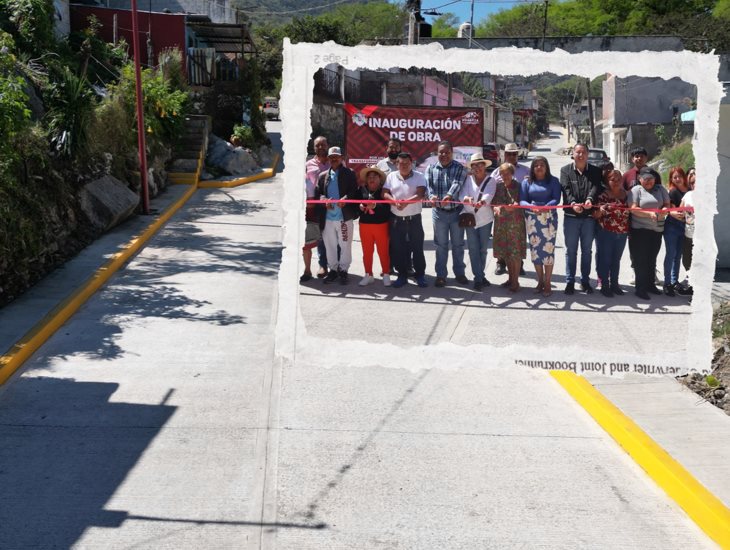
(581,184)
(337,184)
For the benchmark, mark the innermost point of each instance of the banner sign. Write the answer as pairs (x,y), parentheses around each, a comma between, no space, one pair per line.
(420,129)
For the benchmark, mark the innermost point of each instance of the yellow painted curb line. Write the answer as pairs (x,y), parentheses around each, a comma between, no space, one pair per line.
(705,509)
(221,184)
(35,337)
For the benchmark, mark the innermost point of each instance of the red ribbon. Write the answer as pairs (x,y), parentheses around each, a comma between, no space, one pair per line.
(556,207)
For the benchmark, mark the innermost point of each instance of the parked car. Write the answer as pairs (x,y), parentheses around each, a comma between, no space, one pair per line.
(492,152)
(271,108)
(524,151)
(597,157)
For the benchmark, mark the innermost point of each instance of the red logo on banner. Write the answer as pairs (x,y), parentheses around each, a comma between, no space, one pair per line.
(420,129)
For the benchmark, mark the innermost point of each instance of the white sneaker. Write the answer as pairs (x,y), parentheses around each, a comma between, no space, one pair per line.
(386,280)
(366,280)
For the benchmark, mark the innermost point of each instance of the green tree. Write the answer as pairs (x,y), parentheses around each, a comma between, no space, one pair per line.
(445,25)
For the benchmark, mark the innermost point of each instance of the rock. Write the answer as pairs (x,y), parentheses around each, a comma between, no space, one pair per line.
(719,394)
(107,202)
(266,156)
(205,175)
(235,161)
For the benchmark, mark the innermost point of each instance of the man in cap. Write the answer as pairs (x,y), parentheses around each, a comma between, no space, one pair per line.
(444,180)
(511,155)
(581,184)
(337,184)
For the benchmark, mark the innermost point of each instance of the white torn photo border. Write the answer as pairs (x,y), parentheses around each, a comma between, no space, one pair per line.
(301,61)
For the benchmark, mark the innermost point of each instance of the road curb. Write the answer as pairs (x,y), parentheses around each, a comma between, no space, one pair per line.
(704,508)
(14,358)
(11,361)
(224,184)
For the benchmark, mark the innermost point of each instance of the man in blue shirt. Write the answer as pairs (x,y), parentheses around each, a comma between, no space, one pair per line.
(445,179)
(337,184)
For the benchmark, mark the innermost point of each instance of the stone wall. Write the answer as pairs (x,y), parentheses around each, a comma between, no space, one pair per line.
(327,120)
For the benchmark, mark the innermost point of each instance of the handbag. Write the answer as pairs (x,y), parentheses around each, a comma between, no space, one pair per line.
(467,219)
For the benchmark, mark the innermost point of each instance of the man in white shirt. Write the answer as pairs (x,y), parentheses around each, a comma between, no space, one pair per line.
(406,232)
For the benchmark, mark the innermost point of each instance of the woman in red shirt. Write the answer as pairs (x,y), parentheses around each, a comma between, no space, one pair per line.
(612,216)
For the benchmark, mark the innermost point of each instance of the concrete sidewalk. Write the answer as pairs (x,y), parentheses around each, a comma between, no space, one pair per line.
(157,417)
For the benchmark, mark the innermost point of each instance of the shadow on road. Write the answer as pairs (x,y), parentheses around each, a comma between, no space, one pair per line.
(58,469)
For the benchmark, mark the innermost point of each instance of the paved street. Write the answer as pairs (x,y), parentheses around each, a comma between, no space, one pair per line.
(158,416)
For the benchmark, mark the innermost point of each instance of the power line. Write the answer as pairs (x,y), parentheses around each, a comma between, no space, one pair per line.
(300,10)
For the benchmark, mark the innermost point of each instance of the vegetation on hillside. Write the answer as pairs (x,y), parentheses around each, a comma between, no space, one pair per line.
(702,24)
(347,24)
(66,116)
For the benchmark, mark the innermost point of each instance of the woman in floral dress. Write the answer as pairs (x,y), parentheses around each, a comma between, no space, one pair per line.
(509,225)
(541,188)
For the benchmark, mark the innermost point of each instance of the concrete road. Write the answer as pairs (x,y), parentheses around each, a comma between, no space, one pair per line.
(158,417)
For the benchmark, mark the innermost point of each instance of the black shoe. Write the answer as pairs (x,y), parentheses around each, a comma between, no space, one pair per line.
(486,282)
(440,282)
(617,290)
(654,290)
(606,291)
(500,269)
(462,280)
(478,285)
(587,288)
(343,277)
(669,290)
(683,291)
(570,288)
(306,277)
(642,294)
(411,274)
(331,277)
(322,273)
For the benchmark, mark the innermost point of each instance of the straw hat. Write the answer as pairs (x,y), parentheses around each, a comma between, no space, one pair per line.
(477,157)
(365,171)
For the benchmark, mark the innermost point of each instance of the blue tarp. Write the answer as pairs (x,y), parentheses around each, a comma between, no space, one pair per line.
(689,116)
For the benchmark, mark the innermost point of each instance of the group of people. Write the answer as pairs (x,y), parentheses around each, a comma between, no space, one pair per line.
(513,206)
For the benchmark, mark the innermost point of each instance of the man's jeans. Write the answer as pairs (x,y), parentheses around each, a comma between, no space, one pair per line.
(445,228)
(609,249)
(477,240)
(578,230)
(673,242)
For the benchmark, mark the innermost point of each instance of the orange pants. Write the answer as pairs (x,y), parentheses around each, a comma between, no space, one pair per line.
(372,235)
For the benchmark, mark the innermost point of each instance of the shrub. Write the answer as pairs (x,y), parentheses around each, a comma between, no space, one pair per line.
(14,111)
(30,22)
(164,107)
(244,136)
(72,104)
(171,65)
(112,131)
(679,155)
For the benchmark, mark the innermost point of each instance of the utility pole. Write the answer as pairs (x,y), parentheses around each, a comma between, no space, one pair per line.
(471,24)
(414,11)
(141,146)
(590,113)
(544,23)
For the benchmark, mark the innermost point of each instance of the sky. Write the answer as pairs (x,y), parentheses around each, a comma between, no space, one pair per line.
(462,8)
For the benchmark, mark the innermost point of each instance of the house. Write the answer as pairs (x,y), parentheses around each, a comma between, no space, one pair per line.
(210,50)
(634,107)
